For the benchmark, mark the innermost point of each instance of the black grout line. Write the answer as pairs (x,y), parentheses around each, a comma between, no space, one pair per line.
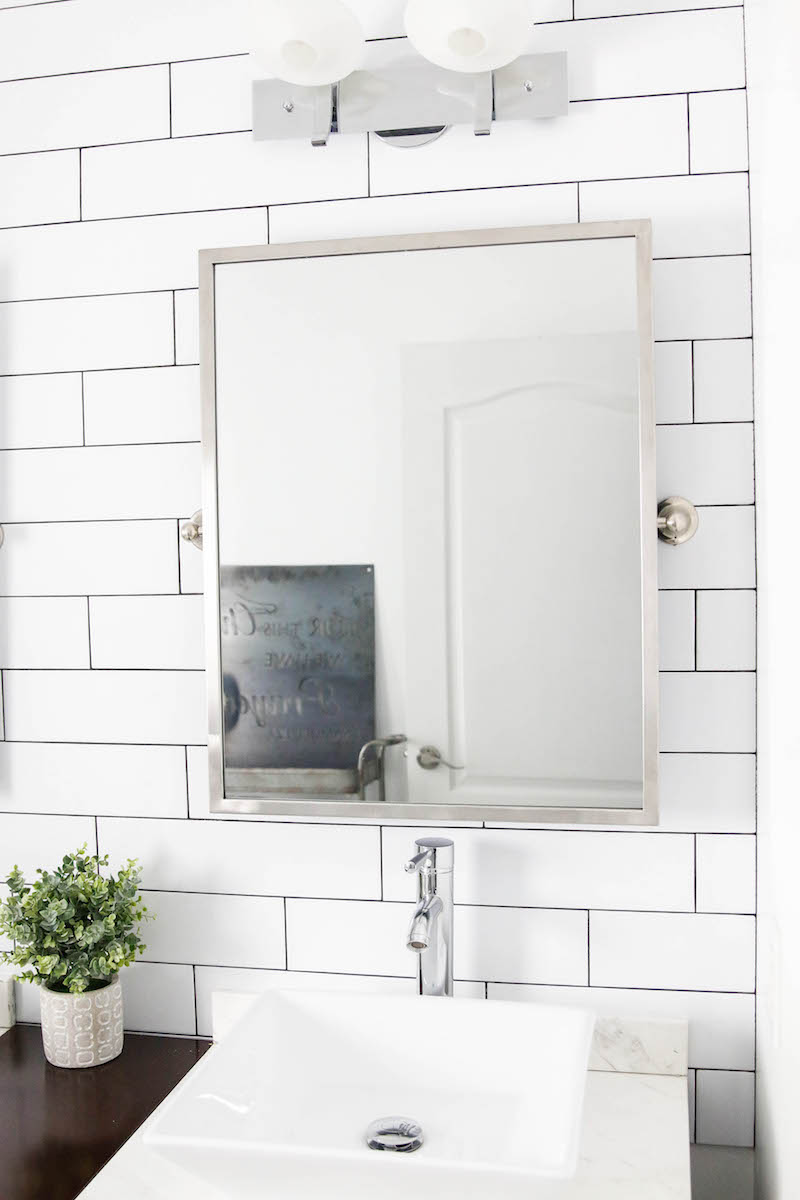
(285,936)
(194,994)
(186,769)
(83,410)
(89,629)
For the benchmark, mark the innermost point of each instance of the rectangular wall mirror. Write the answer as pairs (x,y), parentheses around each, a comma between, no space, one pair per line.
(430,526)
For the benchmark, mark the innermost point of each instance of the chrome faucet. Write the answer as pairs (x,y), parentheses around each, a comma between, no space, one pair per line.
(430,934)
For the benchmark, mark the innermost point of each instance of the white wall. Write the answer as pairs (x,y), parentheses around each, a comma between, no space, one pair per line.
(123,149)
(773,38)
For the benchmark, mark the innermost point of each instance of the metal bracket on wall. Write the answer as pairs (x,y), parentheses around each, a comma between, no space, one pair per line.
(677,520)
(192,530)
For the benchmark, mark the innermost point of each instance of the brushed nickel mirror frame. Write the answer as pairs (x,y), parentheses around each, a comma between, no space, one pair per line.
(344,809)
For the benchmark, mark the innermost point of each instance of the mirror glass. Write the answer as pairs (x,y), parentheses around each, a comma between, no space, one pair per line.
(428,460)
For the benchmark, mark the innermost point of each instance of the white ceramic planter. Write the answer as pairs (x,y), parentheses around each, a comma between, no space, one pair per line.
(83,1030)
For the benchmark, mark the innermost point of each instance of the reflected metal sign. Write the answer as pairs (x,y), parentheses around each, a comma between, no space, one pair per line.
(298,665)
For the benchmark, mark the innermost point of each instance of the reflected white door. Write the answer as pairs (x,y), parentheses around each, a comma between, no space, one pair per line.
(522,570)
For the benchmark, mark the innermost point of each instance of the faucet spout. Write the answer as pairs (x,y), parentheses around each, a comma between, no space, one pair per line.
(421,928)
(430,934)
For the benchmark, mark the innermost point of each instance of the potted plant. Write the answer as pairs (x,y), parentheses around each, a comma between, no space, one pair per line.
(73,929)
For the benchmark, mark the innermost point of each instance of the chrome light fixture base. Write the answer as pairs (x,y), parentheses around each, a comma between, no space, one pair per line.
(403,95)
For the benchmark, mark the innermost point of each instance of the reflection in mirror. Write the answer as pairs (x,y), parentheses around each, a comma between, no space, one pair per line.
(429,460)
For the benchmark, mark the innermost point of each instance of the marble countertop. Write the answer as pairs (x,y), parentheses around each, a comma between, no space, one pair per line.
(634,1137)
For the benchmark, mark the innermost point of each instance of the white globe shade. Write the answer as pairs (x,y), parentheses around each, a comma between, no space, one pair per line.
(469,35)
(310,42)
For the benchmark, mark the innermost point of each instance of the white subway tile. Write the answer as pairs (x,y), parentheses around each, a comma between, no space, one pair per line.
(725,1108)
(676,631)
(225,931)
(702,298)
(493,208)
(508,945)
(84,110)
(714,793)
(37,631)
(720,555)
(89,557)
(648,54)
(608,139)
(212,95)
(691,214)
(726,873)
(243,981)
(87,483)
(40,410)
(723,380)
(673,363)
(726,631)
(7,1000)
(257,859)
(721,1026)
(554,869)
(711,464)
(30,842)
(147,632)
(347,936)
(159,998)
(87,333)
(151,707)
(224,171)
(153,404)
(187,327)
(695,952)
(612,8)
(728,1171)
(708,711)
(35,188)
(191,562)
(139,254)
(134,781)
(718,131)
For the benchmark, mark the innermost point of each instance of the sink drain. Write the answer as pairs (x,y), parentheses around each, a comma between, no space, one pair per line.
(400,1134)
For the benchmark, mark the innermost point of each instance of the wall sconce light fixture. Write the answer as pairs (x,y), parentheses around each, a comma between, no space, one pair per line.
(462,63)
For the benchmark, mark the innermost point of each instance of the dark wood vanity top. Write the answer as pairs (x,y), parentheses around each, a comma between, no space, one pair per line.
(58,1127)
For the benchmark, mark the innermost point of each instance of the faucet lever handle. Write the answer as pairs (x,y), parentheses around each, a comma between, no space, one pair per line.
(419,862)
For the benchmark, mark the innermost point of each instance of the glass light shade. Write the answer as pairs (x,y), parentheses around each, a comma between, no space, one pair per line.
(310,42)
(469,35)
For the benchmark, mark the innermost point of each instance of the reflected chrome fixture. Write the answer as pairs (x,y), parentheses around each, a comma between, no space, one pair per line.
(430,934)
(429,758)
(192,530)
(370,764)
(677,520)
(463,62)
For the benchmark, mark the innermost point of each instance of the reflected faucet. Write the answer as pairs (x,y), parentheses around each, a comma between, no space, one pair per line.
(430,934)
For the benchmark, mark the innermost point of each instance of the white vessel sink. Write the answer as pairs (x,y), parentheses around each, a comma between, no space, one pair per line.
(280,1109)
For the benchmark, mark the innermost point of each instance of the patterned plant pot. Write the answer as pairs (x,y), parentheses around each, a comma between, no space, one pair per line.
(82,1030)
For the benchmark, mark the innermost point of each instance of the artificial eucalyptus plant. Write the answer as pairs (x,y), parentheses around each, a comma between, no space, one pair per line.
(74,927)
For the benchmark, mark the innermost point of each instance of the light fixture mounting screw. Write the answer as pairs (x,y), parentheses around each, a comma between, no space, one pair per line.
(528,85)
(288,106)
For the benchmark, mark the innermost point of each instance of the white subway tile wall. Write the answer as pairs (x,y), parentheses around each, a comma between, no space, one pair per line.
(124,150)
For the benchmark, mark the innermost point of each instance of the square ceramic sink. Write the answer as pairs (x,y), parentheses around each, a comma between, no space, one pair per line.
(281,1108)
